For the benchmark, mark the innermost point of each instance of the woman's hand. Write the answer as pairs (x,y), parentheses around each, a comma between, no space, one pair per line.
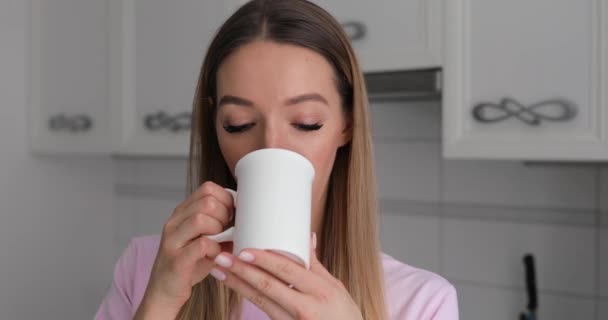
(185,257)
(284,289)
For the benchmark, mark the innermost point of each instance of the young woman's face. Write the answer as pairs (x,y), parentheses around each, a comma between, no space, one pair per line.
(272,95)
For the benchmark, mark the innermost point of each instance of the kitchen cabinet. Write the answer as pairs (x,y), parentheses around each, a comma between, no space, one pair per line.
(119,76)
(68,77)
(390,35)
(157,48)
(526,80)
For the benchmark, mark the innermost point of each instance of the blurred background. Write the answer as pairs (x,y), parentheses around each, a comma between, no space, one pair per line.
(490,123)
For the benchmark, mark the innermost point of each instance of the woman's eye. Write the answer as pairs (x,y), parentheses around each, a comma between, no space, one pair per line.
(308,127)
(238,129)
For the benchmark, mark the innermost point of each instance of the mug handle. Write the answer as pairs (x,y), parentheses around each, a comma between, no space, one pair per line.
(228,234)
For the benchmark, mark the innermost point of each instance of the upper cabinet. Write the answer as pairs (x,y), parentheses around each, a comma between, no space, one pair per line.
(68,81)
(119,76)
(157,49)
(390,35)
(526,80)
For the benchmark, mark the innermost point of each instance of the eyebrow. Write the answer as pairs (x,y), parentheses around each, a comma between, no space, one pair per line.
(228,99)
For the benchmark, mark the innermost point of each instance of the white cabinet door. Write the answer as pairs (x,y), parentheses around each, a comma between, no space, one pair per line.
(526,80)
(157,49)
(391,35)
(68,82)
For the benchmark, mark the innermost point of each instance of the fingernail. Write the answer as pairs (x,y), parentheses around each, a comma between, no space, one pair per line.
(246,256)
(314,240)
(223,261)
(216,273)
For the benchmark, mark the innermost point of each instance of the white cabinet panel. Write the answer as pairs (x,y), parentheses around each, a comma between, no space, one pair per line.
(157,50)
(68,82)
(534,52)
(398,34)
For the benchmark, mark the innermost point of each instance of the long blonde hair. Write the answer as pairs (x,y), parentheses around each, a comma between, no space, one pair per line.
(348,242)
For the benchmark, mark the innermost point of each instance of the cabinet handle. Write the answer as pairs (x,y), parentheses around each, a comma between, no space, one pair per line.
(530,274)
(76,123)
(355,30)
(563,110)
(162,120)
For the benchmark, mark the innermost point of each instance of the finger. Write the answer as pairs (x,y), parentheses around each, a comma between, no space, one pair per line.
(202,269)
(210,188)
(205,264)
(192,257)
(283,268)
(266,304)
(196,225)
(199,248)
(209,205)
(268,283)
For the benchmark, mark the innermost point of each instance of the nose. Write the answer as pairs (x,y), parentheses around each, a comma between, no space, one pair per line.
(272,137)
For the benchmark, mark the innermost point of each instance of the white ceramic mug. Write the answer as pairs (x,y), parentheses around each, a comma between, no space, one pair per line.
(273,204)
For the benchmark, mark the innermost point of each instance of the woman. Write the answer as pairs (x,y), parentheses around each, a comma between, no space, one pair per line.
(278,74)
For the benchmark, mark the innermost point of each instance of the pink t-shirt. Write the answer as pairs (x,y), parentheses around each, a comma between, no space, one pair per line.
(411,293)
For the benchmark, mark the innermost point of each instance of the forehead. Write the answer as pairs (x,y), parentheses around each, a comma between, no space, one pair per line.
(264,70)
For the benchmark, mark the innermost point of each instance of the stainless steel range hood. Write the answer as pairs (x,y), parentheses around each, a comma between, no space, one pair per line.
(398,85)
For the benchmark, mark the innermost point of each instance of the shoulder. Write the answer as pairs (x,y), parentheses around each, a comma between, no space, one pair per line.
(131,274)
(144,246)
(135,265)
(397,273)
(414,293)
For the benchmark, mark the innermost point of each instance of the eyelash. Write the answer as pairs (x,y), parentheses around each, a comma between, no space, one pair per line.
(238,129)
(245,127)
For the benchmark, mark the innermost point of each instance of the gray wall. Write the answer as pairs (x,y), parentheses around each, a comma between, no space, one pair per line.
(56,213)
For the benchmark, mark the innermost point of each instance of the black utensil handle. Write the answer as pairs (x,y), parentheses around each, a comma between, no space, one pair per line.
(531,282)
